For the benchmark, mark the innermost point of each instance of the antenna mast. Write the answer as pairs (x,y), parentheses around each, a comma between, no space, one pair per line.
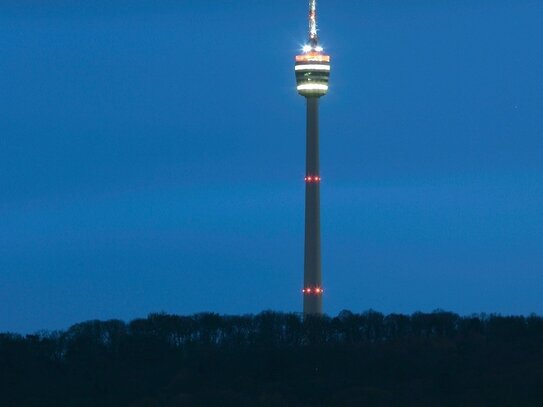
(313,37)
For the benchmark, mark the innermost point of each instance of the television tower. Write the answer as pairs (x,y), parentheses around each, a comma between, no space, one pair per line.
(312,72)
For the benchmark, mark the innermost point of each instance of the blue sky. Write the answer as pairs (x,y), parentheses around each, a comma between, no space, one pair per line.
(152,158)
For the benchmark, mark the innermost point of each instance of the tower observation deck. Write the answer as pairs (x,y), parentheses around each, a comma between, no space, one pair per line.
(312,70)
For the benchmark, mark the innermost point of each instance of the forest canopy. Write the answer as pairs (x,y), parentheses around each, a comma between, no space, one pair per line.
(278,359)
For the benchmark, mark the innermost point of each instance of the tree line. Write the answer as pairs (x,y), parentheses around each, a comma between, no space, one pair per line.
(279,359)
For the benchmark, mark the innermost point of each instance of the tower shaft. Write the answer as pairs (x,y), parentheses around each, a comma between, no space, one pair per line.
(312,71)
(312,249)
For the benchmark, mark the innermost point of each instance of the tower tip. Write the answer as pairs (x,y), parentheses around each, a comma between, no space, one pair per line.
(313,35)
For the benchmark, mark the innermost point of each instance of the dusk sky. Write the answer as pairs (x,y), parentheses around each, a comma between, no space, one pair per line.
(152,157)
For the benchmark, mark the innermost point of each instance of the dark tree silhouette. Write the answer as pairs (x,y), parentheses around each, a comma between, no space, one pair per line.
(276,359)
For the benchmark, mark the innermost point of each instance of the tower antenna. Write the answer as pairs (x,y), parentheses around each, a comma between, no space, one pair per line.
(313,36)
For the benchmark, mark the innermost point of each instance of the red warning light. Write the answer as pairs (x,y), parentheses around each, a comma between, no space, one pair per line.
(311,178)
(317,290)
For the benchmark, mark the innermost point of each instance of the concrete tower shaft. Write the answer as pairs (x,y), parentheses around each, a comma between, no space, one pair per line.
(312,249)
(312,74)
